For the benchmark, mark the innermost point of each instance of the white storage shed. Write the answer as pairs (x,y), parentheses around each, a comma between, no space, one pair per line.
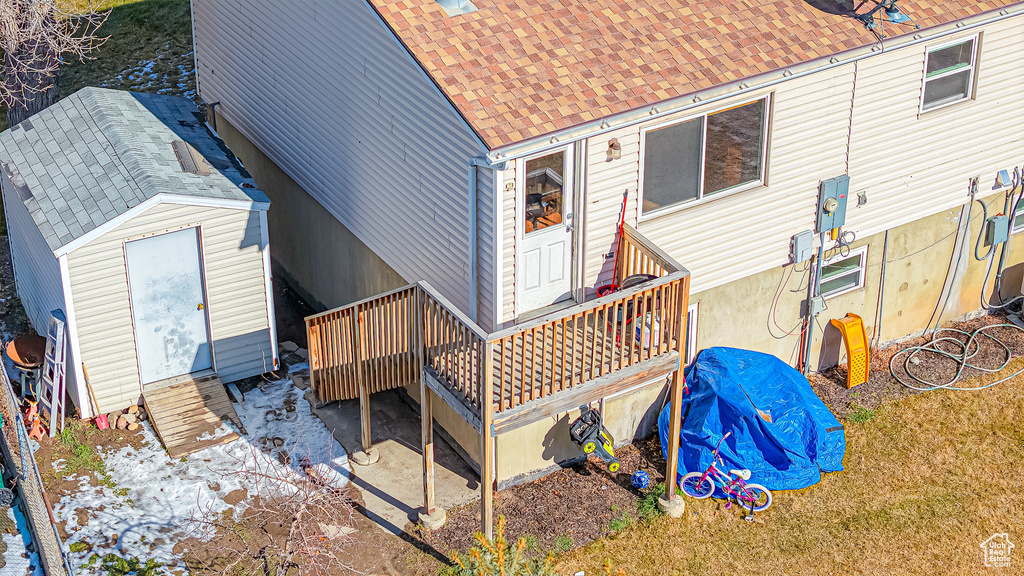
(127,214)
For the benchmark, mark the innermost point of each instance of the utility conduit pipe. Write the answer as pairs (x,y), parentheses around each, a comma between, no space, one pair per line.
(813,290)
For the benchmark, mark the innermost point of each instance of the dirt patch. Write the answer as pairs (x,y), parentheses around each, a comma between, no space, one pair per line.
(370,550)
(76,455)
(235,496)
(564,510)
(290,312)
(881,388)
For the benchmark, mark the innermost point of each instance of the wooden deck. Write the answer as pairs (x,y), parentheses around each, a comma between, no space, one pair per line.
(506,379)
(183,410)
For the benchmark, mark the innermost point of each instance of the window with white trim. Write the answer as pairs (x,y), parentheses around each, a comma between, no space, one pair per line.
(949,73)
(841,274)
(699,157)
(1018,217)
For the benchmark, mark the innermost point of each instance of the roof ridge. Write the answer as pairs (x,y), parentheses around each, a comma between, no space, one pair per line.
(96,94)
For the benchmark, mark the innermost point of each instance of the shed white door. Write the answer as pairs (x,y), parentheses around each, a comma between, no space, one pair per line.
(168,306)
(545,256)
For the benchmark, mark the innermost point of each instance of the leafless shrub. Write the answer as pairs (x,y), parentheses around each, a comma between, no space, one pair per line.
(298,520)
(36,36)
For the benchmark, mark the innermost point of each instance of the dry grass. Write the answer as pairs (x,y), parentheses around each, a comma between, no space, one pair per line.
(927,480)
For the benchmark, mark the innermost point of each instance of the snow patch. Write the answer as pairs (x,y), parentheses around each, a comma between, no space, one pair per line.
(19,560)
(152,496)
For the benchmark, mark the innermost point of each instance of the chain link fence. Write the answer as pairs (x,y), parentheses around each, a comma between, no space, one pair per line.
(18,454)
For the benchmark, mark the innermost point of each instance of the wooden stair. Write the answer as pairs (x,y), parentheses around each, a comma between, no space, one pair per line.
(185,408)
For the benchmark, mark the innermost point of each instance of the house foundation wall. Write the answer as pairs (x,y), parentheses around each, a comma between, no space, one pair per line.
(535,450)
(326,264)
(762,312)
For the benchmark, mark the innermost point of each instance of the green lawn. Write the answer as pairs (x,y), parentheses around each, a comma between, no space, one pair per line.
(148,49)
(927,480)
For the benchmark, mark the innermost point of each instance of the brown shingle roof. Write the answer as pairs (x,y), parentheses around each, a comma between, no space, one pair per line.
(518,69)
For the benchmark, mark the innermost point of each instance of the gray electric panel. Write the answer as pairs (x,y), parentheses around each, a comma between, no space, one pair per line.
(837,188)
(801,247)
(998,230)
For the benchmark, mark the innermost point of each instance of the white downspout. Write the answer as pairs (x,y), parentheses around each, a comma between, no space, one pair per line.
(474,279)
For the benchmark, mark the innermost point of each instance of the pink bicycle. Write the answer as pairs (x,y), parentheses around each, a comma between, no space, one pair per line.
(701,485)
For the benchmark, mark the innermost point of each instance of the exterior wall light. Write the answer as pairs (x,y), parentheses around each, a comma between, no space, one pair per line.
(614,149)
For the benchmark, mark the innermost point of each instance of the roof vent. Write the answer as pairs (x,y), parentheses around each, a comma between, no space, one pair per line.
(457,7)
(190,159)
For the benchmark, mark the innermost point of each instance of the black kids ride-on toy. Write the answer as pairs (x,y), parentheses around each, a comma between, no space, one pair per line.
(589,433)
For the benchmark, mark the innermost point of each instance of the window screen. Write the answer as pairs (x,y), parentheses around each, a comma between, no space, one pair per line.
(703,156)
(672,164)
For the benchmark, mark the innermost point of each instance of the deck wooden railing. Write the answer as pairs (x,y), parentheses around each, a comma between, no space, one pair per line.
(588,341)
(381,343)
(366,344)
(638,255)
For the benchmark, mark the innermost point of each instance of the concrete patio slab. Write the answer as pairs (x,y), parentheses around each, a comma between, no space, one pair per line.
(392,488)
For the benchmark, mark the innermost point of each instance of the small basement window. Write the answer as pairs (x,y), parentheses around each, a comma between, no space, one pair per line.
(710,154)
(1018,218)
(841,274)
(949,74)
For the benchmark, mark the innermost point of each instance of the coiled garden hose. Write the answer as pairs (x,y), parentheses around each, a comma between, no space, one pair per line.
(964,352)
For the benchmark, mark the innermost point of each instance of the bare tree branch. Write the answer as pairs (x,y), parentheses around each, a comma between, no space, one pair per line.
(36,37)
(294,520)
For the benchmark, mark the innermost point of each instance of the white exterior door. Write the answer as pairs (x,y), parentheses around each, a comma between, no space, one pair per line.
(165,280)
(544,193)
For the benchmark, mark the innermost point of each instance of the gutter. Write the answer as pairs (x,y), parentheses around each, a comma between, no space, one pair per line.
(559,138)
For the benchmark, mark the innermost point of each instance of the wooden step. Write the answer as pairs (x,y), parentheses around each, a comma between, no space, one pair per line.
(183,410)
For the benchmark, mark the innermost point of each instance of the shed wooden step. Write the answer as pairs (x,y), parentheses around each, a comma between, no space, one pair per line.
(182,410)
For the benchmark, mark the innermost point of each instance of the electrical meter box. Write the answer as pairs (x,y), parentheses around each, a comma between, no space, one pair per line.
(832,196)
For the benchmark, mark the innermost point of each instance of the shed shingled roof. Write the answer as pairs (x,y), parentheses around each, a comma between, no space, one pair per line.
(99,153)
(519,69)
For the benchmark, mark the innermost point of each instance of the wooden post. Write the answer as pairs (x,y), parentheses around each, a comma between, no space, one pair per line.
(676,399)
(426,414)
(313,346)
(487,444)
(364,395)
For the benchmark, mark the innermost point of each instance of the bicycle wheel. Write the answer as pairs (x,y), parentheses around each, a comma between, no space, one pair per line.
(694,488)
(762,498)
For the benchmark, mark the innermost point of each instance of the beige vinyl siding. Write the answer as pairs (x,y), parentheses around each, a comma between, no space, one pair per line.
(913,165)
(37,276)
(508,242)
(327,93)
(910,165)
(486,260)
(236,297)
(607,181)
(725,238)
(36,269)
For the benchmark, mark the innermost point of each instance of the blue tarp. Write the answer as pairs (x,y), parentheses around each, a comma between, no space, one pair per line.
(781,430)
